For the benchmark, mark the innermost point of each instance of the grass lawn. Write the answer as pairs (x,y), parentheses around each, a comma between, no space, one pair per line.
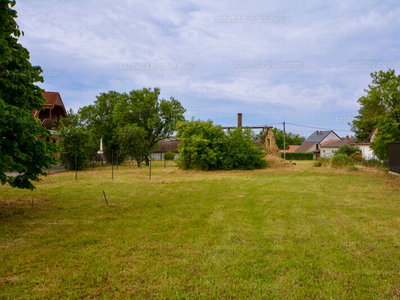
(300,232)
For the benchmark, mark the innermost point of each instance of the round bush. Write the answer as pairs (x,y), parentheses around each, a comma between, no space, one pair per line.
(341,161)
(169,155)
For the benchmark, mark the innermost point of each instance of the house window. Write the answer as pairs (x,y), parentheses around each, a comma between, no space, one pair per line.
(316,146)
(323,151)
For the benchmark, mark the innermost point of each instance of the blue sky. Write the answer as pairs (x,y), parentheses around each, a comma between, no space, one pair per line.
(303,62)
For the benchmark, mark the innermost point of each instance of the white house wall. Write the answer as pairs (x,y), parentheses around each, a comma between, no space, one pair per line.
(328,152)
(367,152)
(160,156)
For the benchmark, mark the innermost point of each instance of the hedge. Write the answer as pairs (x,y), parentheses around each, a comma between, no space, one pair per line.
(299,155)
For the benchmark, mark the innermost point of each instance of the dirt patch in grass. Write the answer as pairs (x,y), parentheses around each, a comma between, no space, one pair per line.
(17,202)
(279,163)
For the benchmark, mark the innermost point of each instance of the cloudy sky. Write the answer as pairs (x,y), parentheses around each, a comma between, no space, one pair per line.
(303,62)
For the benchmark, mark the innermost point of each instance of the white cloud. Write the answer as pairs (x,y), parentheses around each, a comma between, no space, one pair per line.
(89,40)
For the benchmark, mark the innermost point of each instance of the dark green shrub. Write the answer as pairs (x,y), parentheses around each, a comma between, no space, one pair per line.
(169,155)
(317,164)
(298,155)
(242,153)
(348,150)
(205,146)
(341,161)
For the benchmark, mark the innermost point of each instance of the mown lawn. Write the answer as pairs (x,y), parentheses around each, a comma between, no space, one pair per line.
(299,232)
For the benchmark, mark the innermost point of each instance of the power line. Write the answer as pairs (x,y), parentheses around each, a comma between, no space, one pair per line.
(316,127)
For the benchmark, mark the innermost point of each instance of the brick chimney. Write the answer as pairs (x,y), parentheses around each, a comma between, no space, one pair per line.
(239,120)
(320,132)
(317,132)
(347,138)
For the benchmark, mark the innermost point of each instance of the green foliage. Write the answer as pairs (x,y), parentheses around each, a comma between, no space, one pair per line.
(291,138)
(348,150)
(322,162)
(133,142)
(317,164)
(99,120)
(169,155)
(388,131)
(202,145)
(113,111)
(75,140)
(205,146)
(298,155)
(374,163)
(242,153)
(380,108)
(23,145)
(341,161)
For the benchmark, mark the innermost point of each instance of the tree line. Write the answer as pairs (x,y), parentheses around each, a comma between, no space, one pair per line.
(130,124)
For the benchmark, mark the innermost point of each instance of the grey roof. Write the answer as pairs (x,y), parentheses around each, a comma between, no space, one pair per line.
(317,138)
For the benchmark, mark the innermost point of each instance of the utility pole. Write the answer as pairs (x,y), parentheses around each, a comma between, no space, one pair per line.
(76,165)
(284,141)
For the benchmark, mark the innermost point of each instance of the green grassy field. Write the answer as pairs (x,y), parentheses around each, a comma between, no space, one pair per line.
(299,232)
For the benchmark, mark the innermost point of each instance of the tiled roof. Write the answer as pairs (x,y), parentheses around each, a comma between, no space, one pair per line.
(167,145)
(336,144)
(294,147)
(305,146)
(51,97)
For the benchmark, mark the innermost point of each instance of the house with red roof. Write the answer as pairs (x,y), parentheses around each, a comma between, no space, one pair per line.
(50,115)
(329,148)
(53,110)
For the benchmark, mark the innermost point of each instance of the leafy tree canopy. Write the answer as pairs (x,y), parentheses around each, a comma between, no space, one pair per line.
(120,117)
(23,145)
(380,108)
(291,138)
(347,150)
(75,139)
(205,146)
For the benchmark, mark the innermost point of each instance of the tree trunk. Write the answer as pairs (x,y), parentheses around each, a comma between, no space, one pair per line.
(147,161)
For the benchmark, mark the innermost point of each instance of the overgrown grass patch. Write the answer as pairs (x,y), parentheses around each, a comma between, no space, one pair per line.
(301,232)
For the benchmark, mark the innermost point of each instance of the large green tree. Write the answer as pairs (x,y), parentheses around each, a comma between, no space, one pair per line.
(77,143)
(291,138)
(380,108)
(144,108)
(99,120)
(133,142)
(23,145)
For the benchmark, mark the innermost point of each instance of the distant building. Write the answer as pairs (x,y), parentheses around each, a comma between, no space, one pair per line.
(291,148)
(314,141)
(329,148)
(50,115)
(367,152)
(167,144)
(53,110)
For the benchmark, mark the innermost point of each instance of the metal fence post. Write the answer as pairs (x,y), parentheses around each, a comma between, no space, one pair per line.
(76,165)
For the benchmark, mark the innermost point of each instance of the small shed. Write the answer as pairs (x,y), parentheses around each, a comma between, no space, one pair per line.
(166,145)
